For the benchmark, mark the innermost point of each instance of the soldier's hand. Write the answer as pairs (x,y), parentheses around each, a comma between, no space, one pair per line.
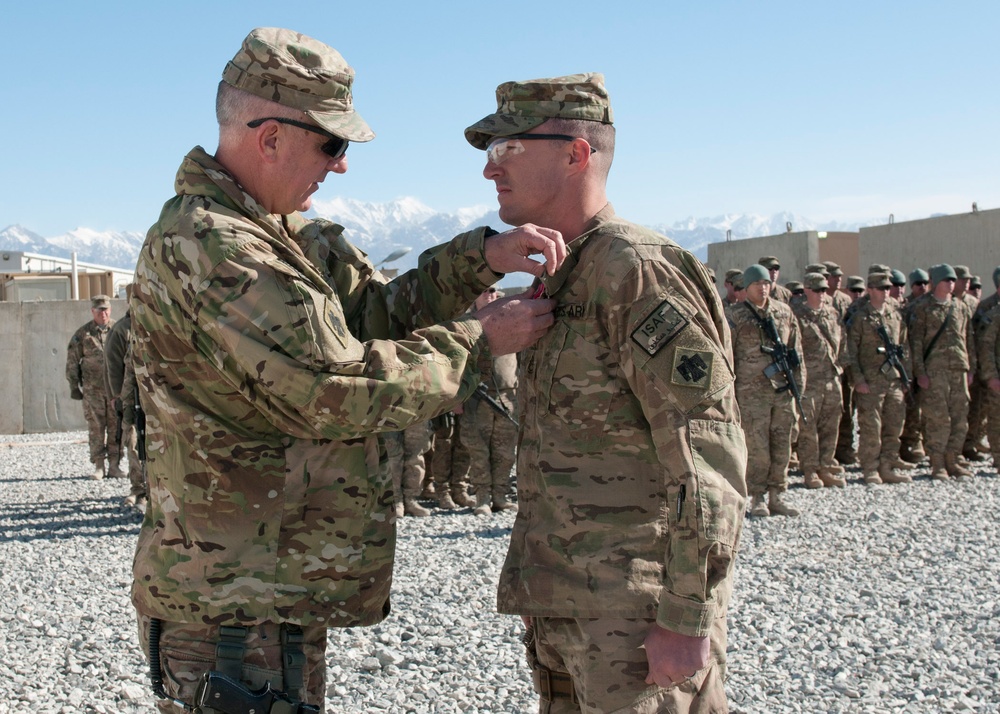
(994,385)
(862,388)
(509,252)
(76,394)
(514,323)
(924,381)
(673,657)
(970,378)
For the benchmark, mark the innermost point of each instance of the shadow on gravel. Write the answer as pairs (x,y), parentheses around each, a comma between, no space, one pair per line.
(480,533)
(86,518)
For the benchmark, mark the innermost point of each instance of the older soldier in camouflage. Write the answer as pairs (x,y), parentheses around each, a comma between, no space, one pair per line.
(270,354)
(86,372)
(121,384)
(766,402)
(877,383)
(942,347)
(823,350)
(490,437)
(631,459)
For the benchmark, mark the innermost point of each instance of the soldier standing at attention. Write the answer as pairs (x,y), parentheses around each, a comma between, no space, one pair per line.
(629,426)
(823,348)
(944,363)
(730,296)
(911,447)
(834,277)
(988,346)
(874,337)
(766,402)
(976,432)
(86,372)
(490,437)
(271,353)
(778,292)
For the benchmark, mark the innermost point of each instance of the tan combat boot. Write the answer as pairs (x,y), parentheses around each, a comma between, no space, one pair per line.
(776,504)
(872,478)
(758,507)
(938,470)
(835,469)
(483,501)
(829,477)
(115,471)
(954,468)
(812,480)
(500,502)
(447,502)
(98,470)
(412,508)
(461,497)
(888,474)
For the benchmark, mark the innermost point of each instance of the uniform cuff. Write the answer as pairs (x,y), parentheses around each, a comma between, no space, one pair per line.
(686,617)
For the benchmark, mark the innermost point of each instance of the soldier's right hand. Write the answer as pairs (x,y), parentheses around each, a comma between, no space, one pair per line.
(514,323)
(76,394)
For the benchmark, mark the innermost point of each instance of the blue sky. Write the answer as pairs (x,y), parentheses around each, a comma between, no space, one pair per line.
(835,111)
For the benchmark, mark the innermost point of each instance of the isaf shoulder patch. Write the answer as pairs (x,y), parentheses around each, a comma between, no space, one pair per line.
(662,325)
(692,368)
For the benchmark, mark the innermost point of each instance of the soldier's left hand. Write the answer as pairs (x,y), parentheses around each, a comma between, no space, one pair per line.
(994,385)
(510,251)
(971,377)
(673,657)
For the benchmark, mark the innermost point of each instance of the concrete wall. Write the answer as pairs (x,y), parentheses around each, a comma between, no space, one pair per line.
(971,239)
(793,250)
(33,387)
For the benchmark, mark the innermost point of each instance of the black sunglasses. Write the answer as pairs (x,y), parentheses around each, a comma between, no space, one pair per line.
(334,148)
(857,291)
(920,282)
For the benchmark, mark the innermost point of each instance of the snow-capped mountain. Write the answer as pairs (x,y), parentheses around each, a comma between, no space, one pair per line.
(381,228)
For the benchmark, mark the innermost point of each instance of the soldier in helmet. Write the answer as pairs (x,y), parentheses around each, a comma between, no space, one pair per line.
(911,447)
(944,363)
(86,372)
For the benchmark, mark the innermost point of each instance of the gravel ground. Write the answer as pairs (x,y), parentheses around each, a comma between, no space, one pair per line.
(877,599)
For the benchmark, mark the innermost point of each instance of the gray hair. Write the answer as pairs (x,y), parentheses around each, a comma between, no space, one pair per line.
(235,107)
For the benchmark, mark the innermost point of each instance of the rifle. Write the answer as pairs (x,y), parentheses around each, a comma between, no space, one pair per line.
(140,427)
(785,360)
(493,404)
(894,360)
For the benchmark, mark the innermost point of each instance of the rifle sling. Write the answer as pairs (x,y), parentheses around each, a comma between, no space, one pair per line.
(947,319)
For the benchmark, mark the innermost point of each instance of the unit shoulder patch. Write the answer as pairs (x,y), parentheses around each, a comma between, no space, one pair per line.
(662,325)
(692,368)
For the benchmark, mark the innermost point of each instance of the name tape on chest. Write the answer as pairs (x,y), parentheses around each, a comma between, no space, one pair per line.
(662,325)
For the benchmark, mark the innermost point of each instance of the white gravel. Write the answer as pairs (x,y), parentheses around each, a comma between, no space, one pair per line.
(877,599)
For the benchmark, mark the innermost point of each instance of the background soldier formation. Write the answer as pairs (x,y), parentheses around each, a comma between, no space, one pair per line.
(920,371)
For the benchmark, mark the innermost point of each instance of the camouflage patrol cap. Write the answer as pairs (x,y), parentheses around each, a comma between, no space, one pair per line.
(525,105)
(755,273)
(996,277)
(942,271)
(297,71)
(897,278)
(855,282)
(815,281)
(100,302)
(832,268)
(817,268)
(879,280)
(975,282)
(793,285)
(962,272)
(732,273)
(737,281)
(878,268)
(770,262)
(919,275)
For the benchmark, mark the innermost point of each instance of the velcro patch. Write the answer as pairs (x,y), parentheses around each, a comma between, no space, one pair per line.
(661,326)
(570,309)
(692,368)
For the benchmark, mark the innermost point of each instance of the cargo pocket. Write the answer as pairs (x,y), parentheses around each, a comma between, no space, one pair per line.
(720,460)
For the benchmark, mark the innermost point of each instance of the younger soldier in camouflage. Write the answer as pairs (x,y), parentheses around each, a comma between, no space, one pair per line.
(631,459)
(449,463)
(875,332)
(270,354)
(823,350)
(767,406)
(86,372)
(911,447)
(834,277)
(490,437)
(730,297)
(942,348)
(778,291)
(988,346)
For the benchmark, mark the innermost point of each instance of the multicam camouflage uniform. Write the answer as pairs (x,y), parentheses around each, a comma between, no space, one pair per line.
(491,438)
(450,464)
(767,414)
(631,459)
(881,411)
(85,358)
(988,347)
(266,500)
(121,383)
(945,403)
(823,353)
(978,393)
